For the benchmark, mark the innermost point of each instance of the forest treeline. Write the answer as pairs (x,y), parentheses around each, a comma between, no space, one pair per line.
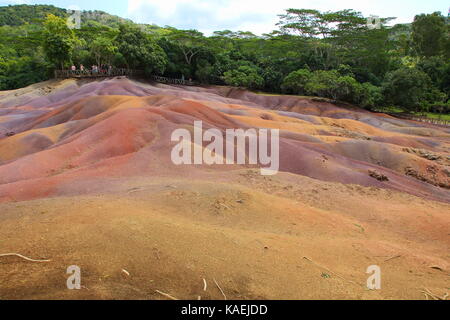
(336,55)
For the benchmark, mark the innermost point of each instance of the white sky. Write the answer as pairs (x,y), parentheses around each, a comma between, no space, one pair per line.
(260,16)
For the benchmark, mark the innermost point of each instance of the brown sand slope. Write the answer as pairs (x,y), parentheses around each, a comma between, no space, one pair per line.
(87,180)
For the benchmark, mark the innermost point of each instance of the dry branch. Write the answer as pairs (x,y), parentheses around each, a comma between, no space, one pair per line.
(225,297)
(166,295)
(23,257)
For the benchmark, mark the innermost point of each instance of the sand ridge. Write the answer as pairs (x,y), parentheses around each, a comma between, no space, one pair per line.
(87,179)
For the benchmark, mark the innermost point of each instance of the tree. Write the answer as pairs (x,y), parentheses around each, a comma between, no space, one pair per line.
(139,51)
(435,67)
(331,54)
(305,22)
(58,40)
(190,42)
(429,34)
(18,15)
(244,76)
(322,83)
(330,84)
(313,23)
(408,88)
(296,81)
(371,96)
(205,72)
(103,50)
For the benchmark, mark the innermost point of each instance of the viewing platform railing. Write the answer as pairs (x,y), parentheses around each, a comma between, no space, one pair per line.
(439,122)
(173,81)
(65,74)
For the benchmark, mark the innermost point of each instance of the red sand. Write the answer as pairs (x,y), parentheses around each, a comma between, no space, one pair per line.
(76,139)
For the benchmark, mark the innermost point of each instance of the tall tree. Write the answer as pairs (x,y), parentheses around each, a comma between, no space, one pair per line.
(103,50)
(58,40)
(139,50)
(407,88)
(190,42)
(429,34)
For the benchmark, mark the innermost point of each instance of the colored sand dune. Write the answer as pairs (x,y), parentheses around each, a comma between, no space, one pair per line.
(86,178)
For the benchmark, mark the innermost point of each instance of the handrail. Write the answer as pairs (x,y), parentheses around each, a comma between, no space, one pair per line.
(172,81)
(64,74)
(95,74)
(439,122)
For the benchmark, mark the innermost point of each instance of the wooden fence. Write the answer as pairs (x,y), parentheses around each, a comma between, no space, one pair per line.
(439,122)
(65,74)
(173,81)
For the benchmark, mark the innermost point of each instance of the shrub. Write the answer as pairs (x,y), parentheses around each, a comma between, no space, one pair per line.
(244,76)
(408,88)
(296,81)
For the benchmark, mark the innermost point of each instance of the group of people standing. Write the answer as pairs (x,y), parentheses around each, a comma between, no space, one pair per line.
(102,69)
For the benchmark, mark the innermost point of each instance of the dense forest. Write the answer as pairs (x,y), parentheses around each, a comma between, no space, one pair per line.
(336,55)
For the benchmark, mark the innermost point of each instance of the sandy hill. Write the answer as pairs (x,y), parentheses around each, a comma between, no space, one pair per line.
(86,179)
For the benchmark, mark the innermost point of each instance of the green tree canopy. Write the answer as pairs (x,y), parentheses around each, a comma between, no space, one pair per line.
(59,40)
(408,88)
(139,51)
(244,76)
(103,49)
(430,34)
(296,81)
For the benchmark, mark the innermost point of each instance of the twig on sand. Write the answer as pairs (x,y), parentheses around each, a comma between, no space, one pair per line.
(392,258)
(23,257)
(428,293)
(332,272)
(224,296)
(204,285)
(225,206)
(166,295)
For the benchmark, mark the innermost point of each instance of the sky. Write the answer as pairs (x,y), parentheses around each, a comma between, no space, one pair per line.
(257,16)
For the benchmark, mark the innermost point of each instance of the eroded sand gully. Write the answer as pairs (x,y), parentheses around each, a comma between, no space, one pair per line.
(87,180)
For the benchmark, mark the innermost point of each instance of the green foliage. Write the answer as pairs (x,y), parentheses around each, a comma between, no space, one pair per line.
(22,72)
(327,54)
(205,72)
(190,43)
(371,96)
(244,76)
(100,18)
(409,88)
(436,68)
(59,41)
(103,50)
(332,84)
(21,14)
(429,34)
(296,81)
(139,51)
